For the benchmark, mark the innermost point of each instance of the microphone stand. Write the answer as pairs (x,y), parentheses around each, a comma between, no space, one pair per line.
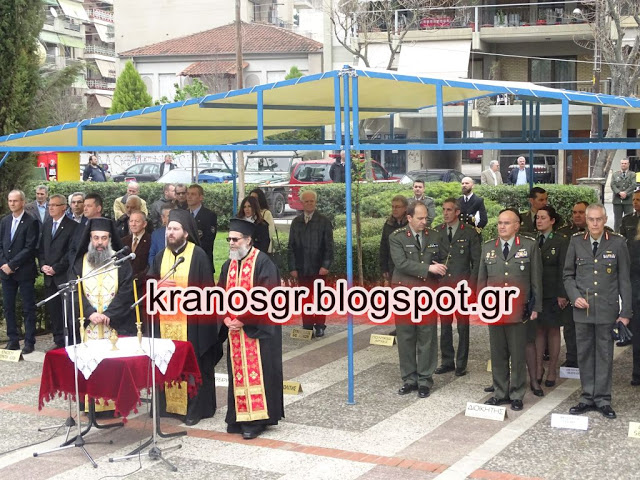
(154,453)
(78,441)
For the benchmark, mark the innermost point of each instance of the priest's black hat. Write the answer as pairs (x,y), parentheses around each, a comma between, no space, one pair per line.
(245,227)
(100,224)
(184,218)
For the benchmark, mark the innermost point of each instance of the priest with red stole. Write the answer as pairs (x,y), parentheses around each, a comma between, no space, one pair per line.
(200,330)
(254,353)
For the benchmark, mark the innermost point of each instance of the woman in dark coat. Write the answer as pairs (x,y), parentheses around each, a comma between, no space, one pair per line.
(250,212)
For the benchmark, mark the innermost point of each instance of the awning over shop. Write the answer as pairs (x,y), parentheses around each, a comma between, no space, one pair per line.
(104,101)
(74,10)
(444,59)
(105,33)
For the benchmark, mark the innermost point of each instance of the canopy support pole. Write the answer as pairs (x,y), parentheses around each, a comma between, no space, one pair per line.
(235,182)
(4,158)
(346,74)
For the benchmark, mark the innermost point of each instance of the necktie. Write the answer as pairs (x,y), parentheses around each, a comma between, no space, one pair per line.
(450,234)
(307,218)
(134,245)
(194,214)
(418,241)
(53,230)
(541,241)
(505,250)
(595,248)
(466,199)
(624,174)
(14,227)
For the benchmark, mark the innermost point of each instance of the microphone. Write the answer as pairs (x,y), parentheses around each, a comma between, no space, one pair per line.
(120,261)
(122,251)
(178,262)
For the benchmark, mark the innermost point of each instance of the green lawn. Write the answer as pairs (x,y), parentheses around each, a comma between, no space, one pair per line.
(220,252)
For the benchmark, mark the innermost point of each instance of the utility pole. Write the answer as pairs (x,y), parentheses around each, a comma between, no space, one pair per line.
(239,84)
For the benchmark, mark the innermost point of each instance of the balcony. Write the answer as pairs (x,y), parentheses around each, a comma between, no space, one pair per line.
(476,17)
(100,15)
(98,50)
(100,85)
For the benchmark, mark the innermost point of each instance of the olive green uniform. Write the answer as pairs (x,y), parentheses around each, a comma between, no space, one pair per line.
(417,342)
(600,279)
(553,251)
(622,182)
(462,258)
(508,337)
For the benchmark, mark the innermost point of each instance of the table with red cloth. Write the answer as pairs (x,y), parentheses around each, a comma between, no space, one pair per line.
(117,379)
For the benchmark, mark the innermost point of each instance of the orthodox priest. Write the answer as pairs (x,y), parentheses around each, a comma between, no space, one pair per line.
(254,354)
(107,297)
(201,331)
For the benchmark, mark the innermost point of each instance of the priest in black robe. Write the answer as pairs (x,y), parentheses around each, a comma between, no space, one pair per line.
(254,351)
(201,331)
(106,298)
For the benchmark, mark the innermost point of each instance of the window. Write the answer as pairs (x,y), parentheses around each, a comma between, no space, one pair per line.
(134,170)
(555,73)
(313,173)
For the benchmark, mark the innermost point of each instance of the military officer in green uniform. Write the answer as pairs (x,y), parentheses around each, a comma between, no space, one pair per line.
(623,183)
(414,251)
(578,221)
(538,198)
(629,226)
(460,252)
(553,249)
(511,260)
(596,274)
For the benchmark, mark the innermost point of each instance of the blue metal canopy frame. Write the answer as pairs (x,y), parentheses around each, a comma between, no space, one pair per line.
(349,107)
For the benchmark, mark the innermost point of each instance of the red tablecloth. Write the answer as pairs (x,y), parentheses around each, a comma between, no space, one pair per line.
(117,379)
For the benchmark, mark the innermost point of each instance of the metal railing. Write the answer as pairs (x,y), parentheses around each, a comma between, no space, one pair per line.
(100,85)
(475,17)
(96,49)
(98,14)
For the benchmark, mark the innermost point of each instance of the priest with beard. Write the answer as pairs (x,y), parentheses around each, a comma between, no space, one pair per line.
(254,353)
(201,331)
(107,297)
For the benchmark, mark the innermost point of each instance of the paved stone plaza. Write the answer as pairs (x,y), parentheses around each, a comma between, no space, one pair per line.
(383,435)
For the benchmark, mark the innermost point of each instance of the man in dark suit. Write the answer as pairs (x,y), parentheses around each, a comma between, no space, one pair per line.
(53,257)
(472,209)
(76,210)
(19,235)
(460,252)
(596,274)
(206,220)
(139,241)
(521,175)
(167,165)
(414,250)
(38,208)
(158,237)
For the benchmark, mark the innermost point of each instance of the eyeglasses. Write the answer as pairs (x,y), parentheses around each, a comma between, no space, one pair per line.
(234,239)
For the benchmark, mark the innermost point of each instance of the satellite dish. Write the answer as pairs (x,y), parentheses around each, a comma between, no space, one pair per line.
(54,12)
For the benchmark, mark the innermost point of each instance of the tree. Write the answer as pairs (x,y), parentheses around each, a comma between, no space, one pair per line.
(616,40)
(20,24)
(357,25)
(131,92)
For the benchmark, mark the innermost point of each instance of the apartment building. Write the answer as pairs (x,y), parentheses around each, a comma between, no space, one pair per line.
(548,43)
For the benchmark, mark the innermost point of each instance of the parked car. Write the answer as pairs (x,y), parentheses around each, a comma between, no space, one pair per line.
(140,172)
(432,175)
(183,175)
(544,166)
(317,171)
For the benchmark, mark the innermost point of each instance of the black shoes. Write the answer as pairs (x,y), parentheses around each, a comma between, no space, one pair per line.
(569,364)
(460,372)
(489,389)
(607,412)
(498,401)
(407,388)
(423,392)
(250,432)
(319,333)
(443,369)
(190,421)
(536,391)
(13,346)
(581,408)
(516,405)
(28,348)
(234,428)
(635,382)
(549,383)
